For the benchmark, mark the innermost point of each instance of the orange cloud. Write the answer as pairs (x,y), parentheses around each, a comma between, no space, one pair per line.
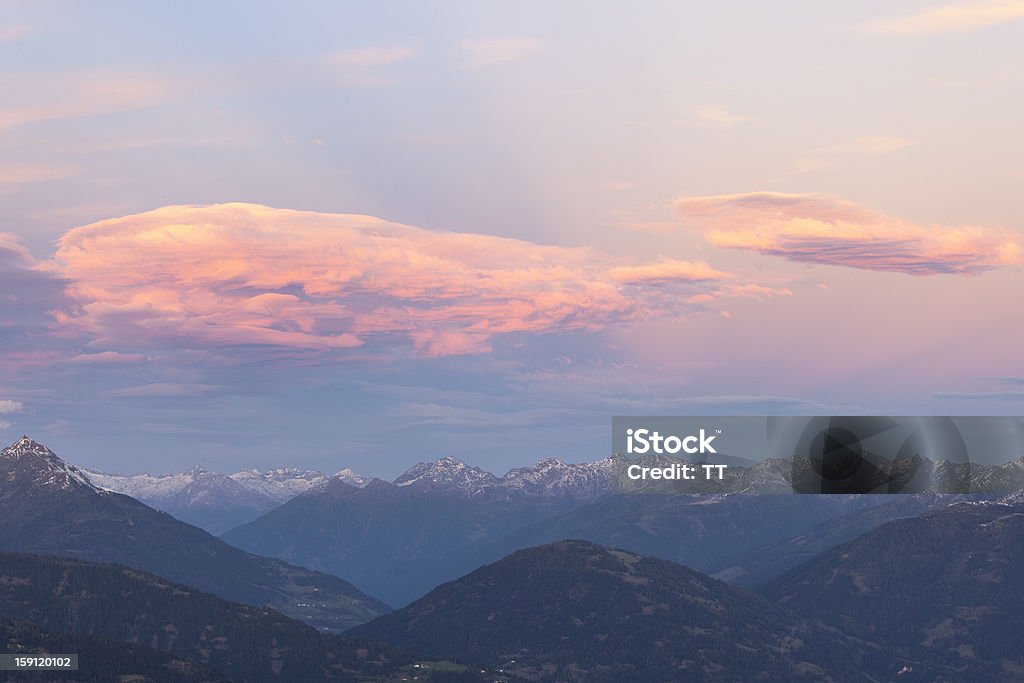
(830,231)
(243,274)
(666,271)
(952,18)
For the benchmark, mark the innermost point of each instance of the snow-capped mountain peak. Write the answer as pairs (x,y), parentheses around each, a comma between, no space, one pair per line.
(447,473)
(35,464)
(552,477)
(549,477)
(279,484)
(350,478)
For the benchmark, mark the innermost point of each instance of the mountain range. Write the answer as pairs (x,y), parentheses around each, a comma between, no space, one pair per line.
(921,587)
(398,540)
(212,501)
(51,507)
(220,502)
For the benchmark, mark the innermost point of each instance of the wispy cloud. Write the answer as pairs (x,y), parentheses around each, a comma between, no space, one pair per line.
(950,18)
(35,98)
(830,156)
(815,228)
(12,32)
(372,56)
(17,174)
(109,358)
(869,145)
(487,51)
(360,66)
(8,407)
(980,395)
(12,251)
(720,115)
(163,390)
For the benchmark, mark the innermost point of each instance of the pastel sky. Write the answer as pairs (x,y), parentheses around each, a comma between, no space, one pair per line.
(369,234)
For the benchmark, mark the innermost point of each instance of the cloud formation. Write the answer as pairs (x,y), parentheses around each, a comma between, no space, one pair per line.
(36,99)
(488,51)
(980,395)
(7,407)
(162,390)
(721,115)
(12,251)
(200,277)
(17,174)
(951,18)
(356,67)
(12,32)
(666,271)
(27,295)
(820,229)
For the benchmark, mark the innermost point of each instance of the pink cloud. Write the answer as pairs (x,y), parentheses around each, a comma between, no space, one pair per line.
(830,231)
(109,358)
(75,94)
(196,277)
(667,271)
(12,250)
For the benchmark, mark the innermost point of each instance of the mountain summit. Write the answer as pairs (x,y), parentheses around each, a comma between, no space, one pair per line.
(447,473)
(28,463)
(549,478)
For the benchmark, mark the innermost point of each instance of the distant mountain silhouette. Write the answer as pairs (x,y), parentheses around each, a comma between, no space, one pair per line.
(399,542)
(760,564)
(395,542)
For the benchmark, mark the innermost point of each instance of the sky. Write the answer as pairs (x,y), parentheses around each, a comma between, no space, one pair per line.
(361,235)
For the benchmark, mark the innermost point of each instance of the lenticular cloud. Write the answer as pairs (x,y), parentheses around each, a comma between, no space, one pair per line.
(243,274)
(820,229)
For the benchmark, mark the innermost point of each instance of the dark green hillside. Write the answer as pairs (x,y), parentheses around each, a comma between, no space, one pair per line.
(100,660)
(947,587)
(123,604)
(574,611)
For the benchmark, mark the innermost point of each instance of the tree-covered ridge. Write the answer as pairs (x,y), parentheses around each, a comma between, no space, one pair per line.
(123,604)
(100,659)
(576,611)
